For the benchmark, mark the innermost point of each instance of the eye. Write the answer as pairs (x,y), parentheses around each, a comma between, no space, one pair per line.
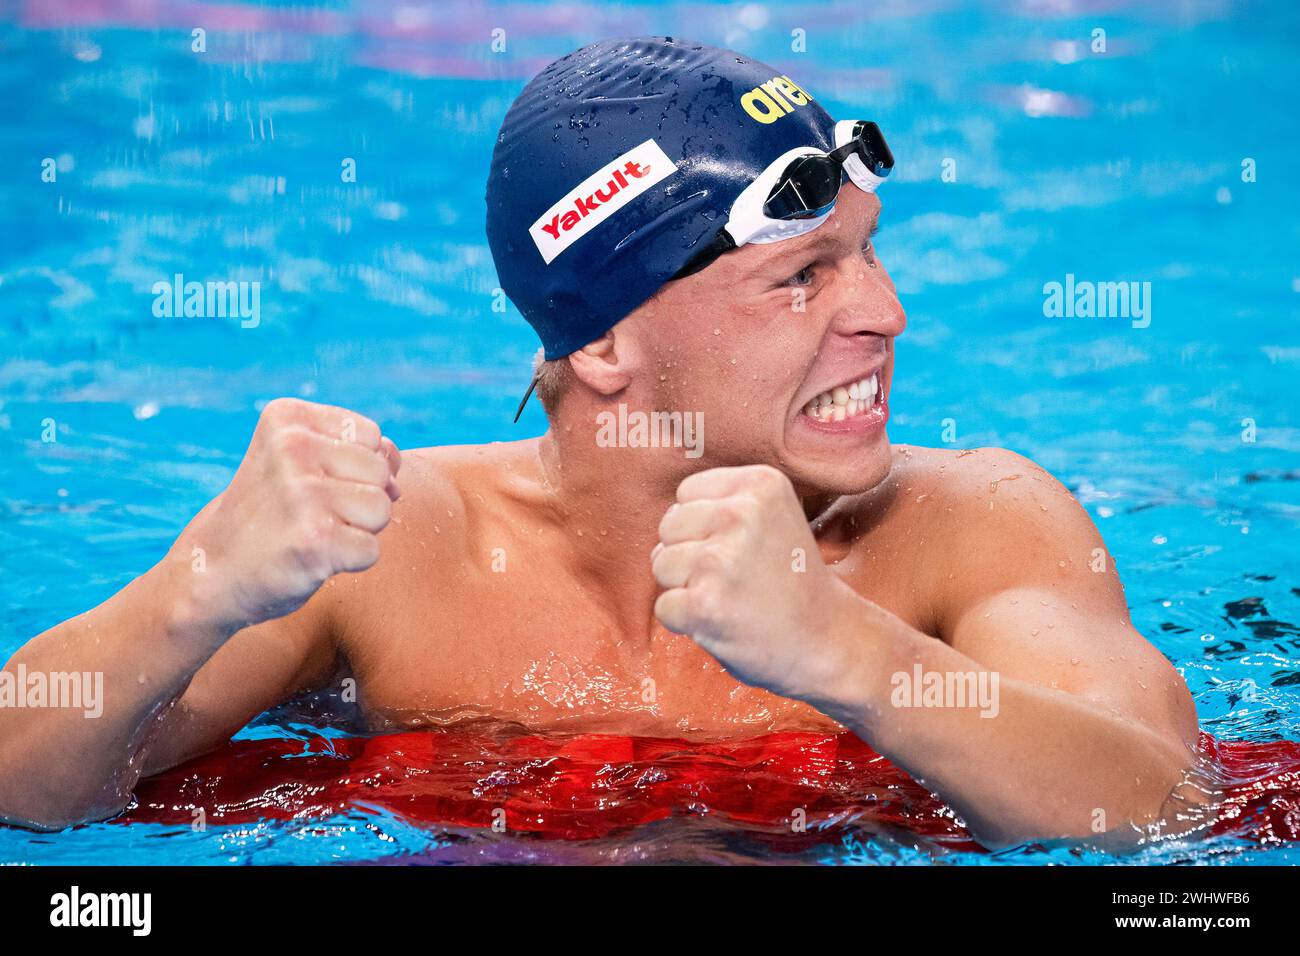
(803,277)
(868,247)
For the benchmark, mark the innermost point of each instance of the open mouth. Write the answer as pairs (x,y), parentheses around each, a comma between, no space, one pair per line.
(849,401)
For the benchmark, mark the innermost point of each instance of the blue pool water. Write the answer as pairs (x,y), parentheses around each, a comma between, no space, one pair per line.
(1180,438)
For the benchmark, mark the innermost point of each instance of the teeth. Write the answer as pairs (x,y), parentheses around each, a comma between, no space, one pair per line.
(844,402)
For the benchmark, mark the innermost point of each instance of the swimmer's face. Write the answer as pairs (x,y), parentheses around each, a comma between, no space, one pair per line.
(788,350)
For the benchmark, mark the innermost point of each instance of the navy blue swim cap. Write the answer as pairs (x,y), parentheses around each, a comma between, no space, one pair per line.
(617,162)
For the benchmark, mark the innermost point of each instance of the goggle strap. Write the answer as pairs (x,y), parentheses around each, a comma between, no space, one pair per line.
(524,401)
(862,177)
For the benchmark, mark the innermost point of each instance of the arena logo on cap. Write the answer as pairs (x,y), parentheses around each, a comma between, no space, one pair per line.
(772,100)
(599,196)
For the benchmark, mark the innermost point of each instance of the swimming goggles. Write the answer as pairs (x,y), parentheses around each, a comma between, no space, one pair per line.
(797,192)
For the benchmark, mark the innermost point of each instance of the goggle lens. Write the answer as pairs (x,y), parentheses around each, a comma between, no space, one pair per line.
(807,189)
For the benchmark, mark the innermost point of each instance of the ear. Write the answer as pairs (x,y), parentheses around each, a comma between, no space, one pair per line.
(605,365)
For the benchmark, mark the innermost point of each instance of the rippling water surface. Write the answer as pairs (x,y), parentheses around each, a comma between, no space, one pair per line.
(1180,438)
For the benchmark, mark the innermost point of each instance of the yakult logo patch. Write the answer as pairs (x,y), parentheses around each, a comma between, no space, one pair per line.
(598,197)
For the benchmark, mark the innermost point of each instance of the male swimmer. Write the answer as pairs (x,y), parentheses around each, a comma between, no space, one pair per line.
(689,232)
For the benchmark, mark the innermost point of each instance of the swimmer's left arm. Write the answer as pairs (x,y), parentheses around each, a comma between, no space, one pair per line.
(1096,728)
(1067,749)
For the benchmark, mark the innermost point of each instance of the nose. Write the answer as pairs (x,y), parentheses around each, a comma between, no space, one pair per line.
(866,302)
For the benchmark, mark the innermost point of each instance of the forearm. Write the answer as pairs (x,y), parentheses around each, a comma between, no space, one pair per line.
(137,652)
(1039,763)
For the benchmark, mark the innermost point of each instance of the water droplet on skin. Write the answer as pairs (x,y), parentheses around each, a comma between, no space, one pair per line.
(1074,661)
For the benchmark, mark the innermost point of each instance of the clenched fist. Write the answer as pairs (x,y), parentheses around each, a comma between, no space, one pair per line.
(744,578)
(314,490)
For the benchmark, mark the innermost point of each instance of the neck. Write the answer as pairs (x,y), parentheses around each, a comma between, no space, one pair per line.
(609,503)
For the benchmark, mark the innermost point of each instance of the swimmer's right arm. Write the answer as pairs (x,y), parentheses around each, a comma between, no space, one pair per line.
(213,634)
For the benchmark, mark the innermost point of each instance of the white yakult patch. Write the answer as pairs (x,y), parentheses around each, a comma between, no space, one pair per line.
(598,197)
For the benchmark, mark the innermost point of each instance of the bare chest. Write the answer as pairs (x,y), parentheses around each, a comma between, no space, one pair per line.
(539,651)
(551,665)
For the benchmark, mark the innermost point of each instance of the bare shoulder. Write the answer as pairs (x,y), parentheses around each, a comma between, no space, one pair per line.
(445,487)
(969,472)
(446,493)
(984,491)
(988,520)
